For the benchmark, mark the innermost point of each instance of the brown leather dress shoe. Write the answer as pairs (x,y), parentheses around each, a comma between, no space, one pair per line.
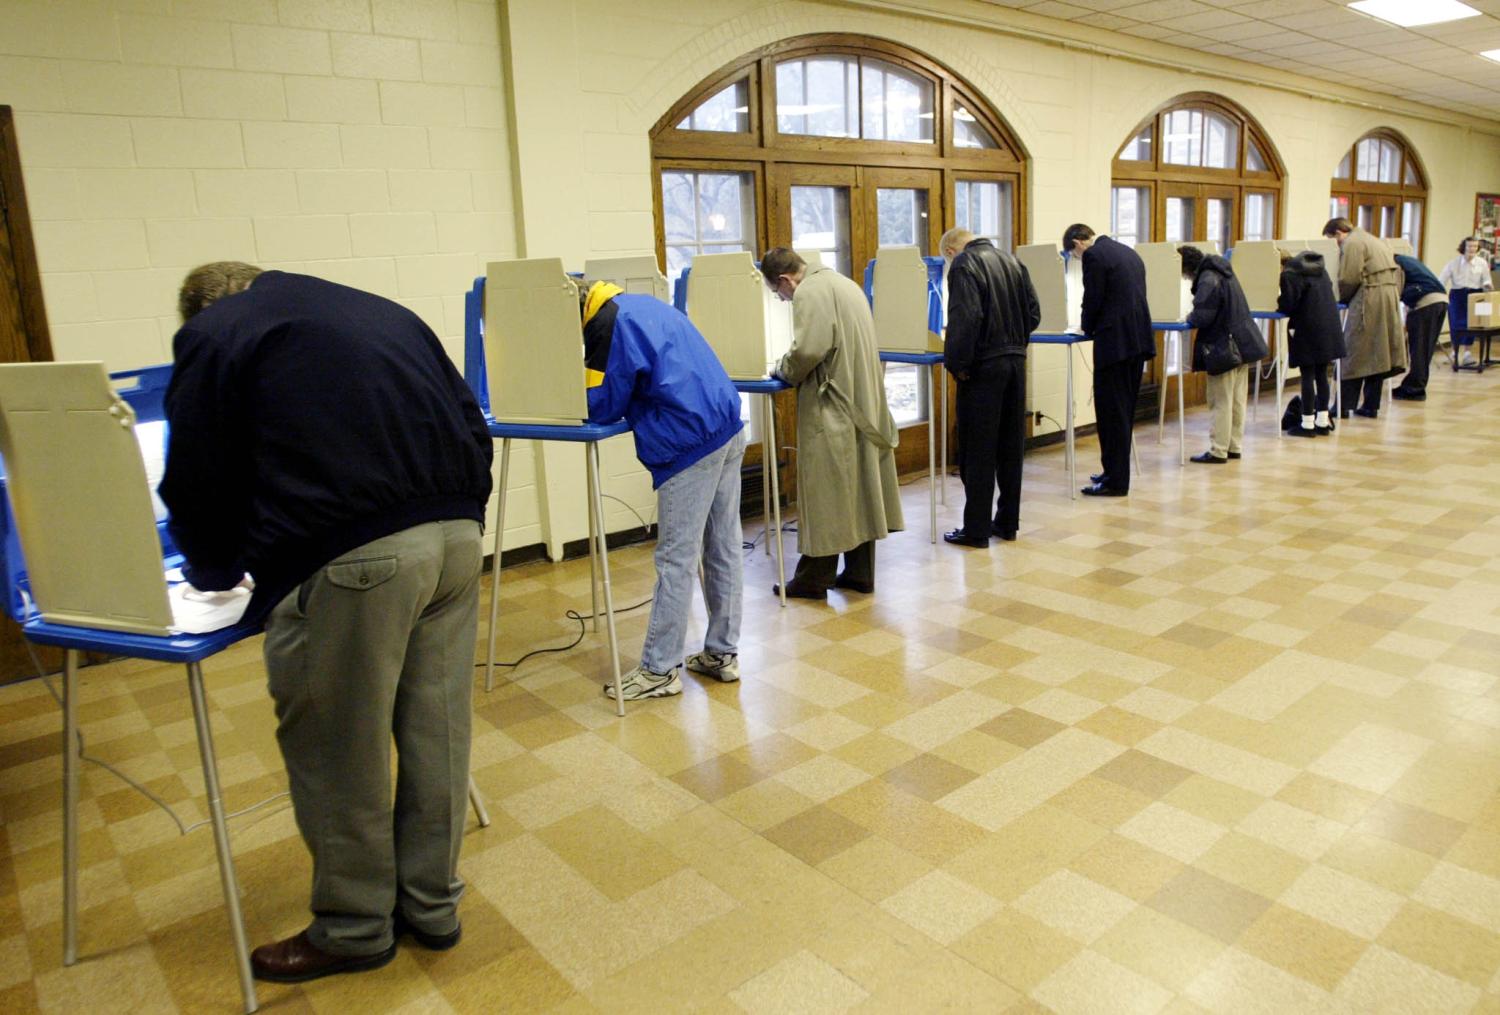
(296,960)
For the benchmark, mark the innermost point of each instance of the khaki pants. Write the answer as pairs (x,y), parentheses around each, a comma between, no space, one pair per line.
(1227,394)
(379,644)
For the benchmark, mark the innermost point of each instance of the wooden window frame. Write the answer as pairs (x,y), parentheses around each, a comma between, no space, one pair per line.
(1359,191)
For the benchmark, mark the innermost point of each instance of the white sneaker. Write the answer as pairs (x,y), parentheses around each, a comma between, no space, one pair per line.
(723,667)
(1466,358)
(642,683)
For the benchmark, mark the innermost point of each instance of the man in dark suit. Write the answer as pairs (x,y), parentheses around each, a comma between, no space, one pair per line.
(1118,320)
(992,311)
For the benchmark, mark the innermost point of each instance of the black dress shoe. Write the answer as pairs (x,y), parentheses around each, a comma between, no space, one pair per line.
(432,942)
(843,581)
(958,537)
(1367,413)
(1235,455)
(795,591)
(1324,431)
(1099,477)
(1299,431)
(1409,396)
(1207,458)
(1009,535)
(1101,490)
(296,960)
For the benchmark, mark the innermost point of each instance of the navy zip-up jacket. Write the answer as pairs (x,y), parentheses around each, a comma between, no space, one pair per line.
(307,419)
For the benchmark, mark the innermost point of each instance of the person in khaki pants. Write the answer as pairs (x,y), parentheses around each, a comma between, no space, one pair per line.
(321,440)
(1227,347)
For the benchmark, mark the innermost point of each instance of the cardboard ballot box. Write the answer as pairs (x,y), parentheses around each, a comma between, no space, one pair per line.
(1484,311)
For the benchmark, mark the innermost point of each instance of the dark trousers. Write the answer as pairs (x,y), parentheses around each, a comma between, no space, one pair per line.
(1422,328)
(1349,393)
(1458,317)
(1116,389)
(817,574)
(1314,381)
(991,437)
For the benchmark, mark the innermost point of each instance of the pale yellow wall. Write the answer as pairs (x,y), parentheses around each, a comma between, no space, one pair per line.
(397,145)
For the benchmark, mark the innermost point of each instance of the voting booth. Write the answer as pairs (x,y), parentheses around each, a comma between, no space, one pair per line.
(1044,263)
(1257,264)
(1400,245)
(900,296)
(1168,294)
(748,327)
(638,276)
(533,343)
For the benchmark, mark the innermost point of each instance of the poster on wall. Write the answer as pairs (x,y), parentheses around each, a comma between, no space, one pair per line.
(1487,223)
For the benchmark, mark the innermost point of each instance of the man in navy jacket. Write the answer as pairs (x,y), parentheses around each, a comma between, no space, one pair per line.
(648,363)
(321,440)
(1118,320)
(1426,302)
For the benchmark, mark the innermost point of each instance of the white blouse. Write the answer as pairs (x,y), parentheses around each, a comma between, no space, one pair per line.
(1466,273)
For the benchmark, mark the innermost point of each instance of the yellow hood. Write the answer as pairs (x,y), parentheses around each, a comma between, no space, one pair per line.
(600,293)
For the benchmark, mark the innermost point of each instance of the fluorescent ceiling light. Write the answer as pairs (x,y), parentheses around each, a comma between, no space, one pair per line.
(1410,13)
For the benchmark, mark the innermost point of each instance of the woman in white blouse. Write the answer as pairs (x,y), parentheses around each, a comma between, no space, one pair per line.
(1467,273)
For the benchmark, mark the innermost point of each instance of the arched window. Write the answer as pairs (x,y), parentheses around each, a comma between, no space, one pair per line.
(1380,186)
(839,144)
(1199,168)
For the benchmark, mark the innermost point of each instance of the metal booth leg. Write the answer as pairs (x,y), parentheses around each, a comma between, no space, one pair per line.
(221,835)
(70,806)
(943,453)
(593,560)
(592,452)
(1071,450)
(489,655)
(1181,409)
(477,802)
(773,519)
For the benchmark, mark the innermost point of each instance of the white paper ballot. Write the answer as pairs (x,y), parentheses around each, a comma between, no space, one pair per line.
(195,612)
(152,437)
(1073,281)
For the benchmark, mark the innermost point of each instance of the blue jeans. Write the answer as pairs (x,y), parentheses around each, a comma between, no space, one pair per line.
(698,518)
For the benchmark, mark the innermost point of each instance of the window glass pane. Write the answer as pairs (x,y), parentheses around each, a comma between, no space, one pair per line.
(1221,148)
(820,221)
(1220,221)
(897,104)
(1184,137)
(1180,219)
(1138,148)
(1387,220)
(1342,172)
(904,393)
(1411,174)
(727,110)
(967,131)
(1367,159)
(1255,162)
(705,213)
(983,207)
(1260,216)
(1130,215)
(1365,217)
(818,96)
(1411,223)
(1390,163)
(1338,206)
(901,217)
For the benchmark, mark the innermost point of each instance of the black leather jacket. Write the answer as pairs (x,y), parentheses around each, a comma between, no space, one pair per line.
(992,309)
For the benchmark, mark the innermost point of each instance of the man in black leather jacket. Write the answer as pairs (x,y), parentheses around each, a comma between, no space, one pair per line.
(992,311)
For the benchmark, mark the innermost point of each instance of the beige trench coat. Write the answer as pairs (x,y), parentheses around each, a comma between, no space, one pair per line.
(846,465)
(1370,283)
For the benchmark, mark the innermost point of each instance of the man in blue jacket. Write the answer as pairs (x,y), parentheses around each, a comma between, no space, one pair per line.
(1425,300)
(647,363)
(322,441)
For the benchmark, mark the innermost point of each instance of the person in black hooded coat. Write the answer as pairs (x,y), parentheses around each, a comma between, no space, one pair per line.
(1315,336)
(1228,344)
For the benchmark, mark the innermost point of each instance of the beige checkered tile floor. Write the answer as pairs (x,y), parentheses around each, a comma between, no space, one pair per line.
(1230,745)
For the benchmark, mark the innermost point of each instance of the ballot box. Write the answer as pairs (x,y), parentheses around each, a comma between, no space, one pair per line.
(638,276)
(900,301)
(747,325)
(1483,311)
(533,343)
(1257,264)
(1044,263)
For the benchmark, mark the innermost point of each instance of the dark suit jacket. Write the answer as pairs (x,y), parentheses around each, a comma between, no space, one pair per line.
(1115,313)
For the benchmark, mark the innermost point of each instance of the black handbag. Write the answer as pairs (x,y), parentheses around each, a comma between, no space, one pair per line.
(1222,357)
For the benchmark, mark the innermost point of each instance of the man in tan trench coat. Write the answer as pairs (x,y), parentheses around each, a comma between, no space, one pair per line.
(1370,282)
(846,438)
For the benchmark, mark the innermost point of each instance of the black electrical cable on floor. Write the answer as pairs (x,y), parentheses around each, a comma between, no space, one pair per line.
(583,620)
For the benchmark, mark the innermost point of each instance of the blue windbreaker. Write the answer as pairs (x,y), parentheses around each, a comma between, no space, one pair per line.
(649,364)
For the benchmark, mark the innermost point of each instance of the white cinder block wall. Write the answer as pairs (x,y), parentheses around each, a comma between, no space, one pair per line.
(398,145)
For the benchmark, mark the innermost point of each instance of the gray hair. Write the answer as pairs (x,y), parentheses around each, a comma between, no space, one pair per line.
(210,282)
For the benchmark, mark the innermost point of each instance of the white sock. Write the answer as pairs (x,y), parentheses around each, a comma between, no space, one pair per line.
(1322,419)
(1307,422)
